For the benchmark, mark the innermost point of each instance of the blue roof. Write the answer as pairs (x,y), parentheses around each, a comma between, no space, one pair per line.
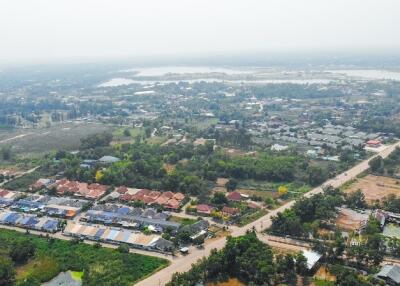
(11,218)
(26,203)
(29,221)
(50,225)
(126,236)
(113,233)
(124,210)
(100,232)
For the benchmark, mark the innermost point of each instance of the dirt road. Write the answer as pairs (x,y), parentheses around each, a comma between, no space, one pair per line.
(20,175)
(184,263)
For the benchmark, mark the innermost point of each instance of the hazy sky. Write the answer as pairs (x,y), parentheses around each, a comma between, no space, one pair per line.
(48,30)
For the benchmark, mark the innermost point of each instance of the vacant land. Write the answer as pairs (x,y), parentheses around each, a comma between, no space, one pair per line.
(350,220)
(59,137)
(182,220)
(22,183)
(375,187)
(101,266)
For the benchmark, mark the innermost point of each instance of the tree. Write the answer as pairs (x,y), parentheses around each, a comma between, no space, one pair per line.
(96,140)
(6,153)
(219,199)
(127,132)
(316,175)
(7,273)
(356,200)
(123,248)
(231,185)
(147,132)
(301,264)
(282,191)
(376,164)
(99,175)
(22,251)
(199,240)
(394,246)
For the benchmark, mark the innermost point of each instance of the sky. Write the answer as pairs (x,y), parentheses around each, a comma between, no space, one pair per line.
(67,30)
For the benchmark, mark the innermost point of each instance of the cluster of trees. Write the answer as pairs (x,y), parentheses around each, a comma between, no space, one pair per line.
(194,171)
(6,153)
(15,254)
(368,252)
(101,266)
(247,259)
(387,166)
(96,140)
(289,90)
(277,168)
(307,214)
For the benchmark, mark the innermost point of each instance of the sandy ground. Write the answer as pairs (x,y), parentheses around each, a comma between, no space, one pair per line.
(350,220)
(375,187)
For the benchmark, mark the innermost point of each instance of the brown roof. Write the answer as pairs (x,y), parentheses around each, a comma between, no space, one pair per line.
(126,197)
(161,200)
(253,205)
(234,196)
(3,192)
(173,204)
(179,196)
(167,194)
(122,189)
(203,208)
(154,194)
(374,142)
(148,200)
(230,211)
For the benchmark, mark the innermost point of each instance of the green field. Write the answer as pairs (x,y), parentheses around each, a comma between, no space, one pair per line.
(100,266)
(183,221)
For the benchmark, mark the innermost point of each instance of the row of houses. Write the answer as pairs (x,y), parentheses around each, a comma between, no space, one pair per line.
(89,191)
(29,221)
(169,200)
(7,198)
(51,206)
(148,219)
(117,236)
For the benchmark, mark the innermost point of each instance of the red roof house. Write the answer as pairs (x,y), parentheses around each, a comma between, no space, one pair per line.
(204,209)
(234,196)
(230,211)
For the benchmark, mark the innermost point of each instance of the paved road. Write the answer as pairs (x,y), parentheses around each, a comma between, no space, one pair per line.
(184,263)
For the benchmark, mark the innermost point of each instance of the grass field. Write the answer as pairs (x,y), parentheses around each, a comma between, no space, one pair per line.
(266,189)
(101,266)
(248,218)
(182,220)
(38,141)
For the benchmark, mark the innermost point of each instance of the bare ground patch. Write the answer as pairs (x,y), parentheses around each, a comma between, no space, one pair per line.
(375,187)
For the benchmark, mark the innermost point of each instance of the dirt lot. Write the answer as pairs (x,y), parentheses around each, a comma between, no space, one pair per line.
(351,220)
(221,182)
(375,187)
